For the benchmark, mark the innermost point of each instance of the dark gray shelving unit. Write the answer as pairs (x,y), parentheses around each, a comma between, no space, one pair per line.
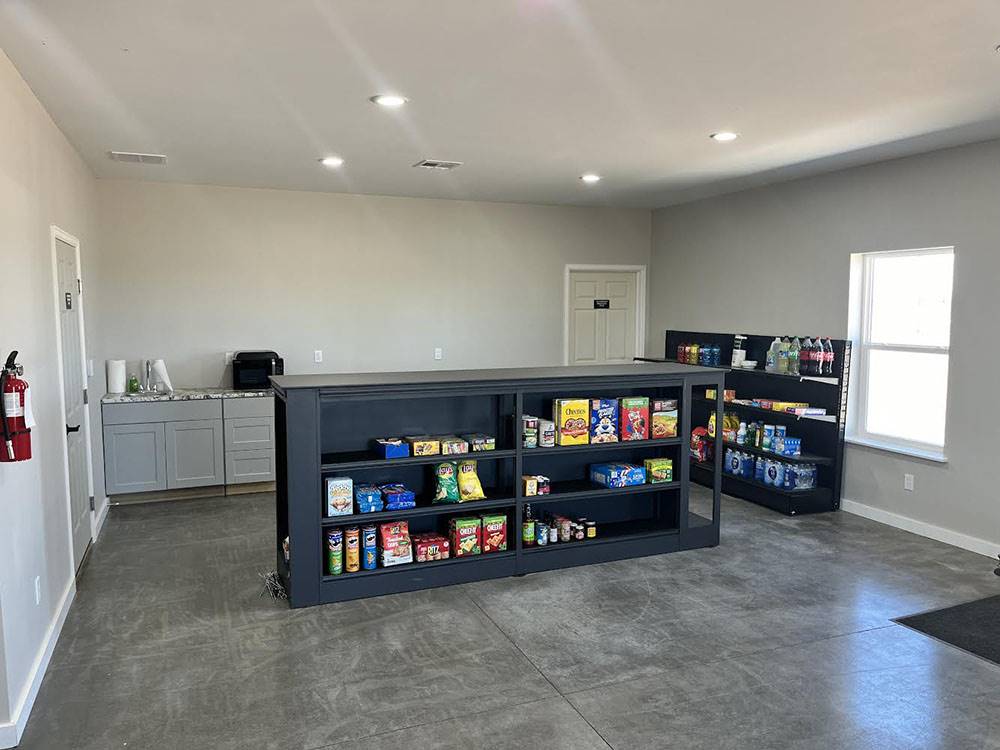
(325,425)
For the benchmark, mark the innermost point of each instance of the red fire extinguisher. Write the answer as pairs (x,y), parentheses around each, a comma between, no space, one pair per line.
(15,413)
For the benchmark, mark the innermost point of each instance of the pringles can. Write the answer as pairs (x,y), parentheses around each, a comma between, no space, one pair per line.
(335,552)
(352,550)
(369,550)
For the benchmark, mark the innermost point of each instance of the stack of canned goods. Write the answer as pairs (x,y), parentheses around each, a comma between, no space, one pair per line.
(555,529)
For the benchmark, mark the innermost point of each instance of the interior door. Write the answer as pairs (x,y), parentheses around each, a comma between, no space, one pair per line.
(602,317)
(74,383)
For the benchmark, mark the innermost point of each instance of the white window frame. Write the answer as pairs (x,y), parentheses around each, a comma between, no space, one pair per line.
(860,331)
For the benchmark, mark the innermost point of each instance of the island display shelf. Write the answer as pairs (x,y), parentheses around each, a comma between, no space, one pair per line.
(325,426)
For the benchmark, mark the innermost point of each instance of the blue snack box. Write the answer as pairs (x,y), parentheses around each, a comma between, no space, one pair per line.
(397,497)
(368,498)
(392,447)
(792,446)
(617,475)
(604,420)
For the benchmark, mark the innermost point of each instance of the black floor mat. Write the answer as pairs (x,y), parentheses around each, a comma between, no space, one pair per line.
(972,627)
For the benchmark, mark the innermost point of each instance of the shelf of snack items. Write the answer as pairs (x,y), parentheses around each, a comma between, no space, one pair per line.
(784,409)
(416,450)
(562,532)
(374,549)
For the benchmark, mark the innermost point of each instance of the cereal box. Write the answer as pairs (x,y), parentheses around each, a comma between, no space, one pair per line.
(430,546)
(659,470)
(423,445)
(634,418)
(339,496)
(664,418)
(466,535)
(494,533)
(603,420)
(394,542)
(572,418)
(617,475)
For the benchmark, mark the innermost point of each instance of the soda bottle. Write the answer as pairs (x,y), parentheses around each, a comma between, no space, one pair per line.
(828,357)
(818,356)
(804,354)
(794,352)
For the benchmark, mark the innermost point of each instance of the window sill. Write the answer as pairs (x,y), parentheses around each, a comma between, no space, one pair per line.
(926,455)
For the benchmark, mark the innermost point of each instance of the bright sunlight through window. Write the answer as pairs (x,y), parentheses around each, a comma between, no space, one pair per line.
(901,326)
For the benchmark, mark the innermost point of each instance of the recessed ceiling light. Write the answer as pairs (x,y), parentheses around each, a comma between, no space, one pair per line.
(724,136)
(332,161)
(590,178)
(389,100)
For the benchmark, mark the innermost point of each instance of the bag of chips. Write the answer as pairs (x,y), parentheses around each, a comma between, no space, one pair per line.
(469,486)
(447,483)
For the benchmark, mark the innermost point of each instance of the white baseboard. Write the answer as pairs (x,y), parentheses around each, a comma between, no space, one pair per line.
(921,528)
(10,733)
(102,516)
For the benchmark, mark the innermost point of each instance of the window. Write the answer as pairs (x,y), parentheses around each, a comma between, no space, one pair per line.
(901,326)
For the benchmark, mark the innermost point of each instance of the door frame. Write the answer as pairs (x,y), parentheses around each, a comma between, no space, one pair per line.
(58,234)
(640,301)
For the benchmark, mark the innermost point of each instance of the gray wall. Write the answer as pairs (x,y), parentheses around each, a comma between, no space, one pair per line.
(42,182)
(776,259)
(375,282)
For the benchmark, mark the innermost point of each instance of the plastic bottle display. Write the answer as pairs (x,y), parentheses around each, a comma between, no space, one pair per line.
(805,353)
(794,352)
(828,357)
(771,362)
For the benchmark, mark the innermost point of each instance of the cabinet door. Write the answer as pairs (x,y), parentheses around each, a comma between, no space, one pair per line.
(249,466)
(194,453)
(134,458)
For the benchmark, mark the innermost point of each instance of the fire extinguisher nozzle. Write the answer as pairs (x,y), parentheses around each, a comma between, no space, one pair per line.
(10,450)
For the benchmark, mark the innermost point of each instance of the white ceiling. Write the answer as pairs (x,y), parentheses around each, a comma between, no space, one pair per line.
(528,93)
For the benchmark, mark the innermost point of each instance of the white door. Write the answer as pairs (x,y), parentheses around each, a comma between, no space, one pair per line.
(74,383)
(602,316)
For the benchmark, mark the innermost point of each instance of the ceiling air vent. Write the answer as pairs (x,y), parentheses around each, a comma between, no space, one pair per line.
(437,164)
(134,158)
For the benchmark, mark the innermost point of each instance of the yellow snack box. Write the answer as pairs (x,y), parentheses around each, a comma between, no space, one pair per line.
(422,445)
(659,470)
(572,418)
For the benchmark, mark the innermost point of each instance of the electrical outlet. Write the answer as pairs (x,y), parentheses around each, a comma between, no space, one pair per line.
(229,358)
(438,352)
(318,356)
(908,482)
(38,590)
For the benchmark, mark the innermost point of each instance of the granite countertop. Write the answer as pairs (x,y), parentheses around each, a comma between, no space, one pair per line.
(184,394)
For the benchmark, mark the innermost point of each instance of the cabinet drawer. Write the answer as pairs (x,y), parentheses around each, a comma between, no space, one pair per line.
(249,466)
(250,434)
(258,406)
(162,411)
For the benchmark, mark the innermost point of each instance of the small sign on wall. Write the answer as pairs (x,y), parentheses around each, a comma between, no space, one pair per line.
(69,301)
(602,304)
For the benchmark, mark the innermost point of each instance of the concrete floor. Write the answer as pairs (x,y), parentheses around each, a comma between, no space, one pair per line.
(780,638)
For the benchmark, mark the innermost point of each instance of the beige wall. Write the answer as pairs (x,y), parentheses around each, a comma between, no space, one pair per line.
(375,282)
(776,260)
(42,182)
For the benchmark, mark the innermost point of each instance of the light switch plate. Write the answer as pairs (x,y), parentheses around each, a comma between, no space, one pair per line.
(908,482)
(438,352)
(318,356)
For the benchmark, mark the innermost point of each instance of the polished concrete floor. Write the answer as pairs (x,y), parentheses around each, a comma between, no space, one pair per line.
(782,637)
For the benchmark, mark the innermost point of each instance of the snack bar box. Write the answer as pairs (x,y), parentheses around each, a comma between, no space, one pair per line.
(391,447)
(663,419)
(617,475)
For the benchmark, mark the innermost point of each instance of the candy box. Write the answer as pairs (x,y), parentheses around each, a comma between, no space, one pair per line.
(391,448)
(634,418)
(423,445)
(397,497)
(452,445)
(430,546)
(479,442)
(394,542)
(466,534)
(529,486)
(494,533)
(572,421)
(617,475)
(339,496)
(369,498)
(603,420)
(659,470)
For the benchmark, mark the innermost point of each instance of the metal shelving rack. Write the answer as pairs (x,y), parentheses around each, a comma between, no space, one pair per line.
(324,425)
(822,437)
